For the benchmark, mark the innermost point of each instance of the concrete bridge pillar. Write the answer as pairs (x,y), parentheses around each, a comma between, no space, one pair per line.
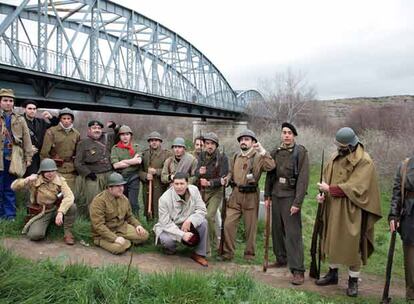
(225,130)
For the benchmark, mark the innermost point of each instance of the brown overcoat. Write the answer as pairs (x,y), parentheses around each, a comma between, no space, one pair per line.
(343,227)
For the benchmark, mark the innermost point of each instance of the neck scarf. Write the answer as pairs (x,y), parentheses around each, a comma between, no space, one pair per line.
(121,145)
(66,129)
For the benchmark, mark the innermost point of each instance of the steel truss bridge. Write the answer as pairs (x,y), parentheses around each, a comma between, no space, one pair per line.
(96,55)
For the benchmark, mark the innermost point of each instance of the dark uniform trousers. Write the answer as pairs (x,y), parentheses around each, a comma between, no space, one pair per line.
(409,270)
(287,233)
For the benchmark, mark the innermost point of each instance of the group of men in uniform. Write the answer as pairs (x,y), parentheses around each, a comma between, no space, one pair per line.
(183,191)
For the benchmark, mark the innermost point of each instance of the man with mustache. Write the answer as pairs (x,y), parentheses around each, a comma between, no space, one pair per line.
(92,161)
(351,206)
(245,171)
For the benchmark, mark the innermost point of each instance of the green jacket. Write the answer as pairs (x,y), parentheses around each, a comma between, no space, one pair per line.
(118,154)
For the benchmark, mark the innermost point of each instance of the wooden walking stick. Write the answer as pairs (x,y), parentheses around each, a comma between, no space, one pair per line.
(267,235)
(149,211)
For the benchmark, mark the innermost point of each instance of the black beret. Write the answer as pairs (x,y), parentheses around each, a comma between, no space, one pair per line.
(95,122)
(28,101)
(291,127)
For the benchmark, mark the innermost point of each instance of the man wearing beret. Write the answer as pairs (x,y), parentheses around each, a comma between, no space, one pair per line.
(92,161)
(285,190)
(182,218)
(14,133)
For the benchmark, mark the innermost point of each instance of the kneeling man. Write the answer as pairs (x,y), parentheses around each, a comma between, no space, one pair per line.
(113,225)
(182,218)
(50,197)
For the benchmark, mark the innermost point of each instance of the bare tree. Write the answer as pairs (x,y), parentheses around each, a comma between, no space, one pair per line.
(286,96)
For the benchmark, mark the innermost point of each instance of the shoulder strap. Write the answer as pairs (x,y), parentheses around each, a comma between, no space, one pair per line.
(403,176)
(295,159)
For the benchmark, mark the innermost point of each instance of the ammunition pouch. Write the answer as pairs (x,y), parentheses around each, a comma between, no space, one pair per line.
(292,181)
(249,188)
(35,209)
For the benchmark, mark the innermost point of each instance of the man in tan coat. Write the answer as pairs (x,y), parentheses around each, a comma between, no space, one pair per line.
(351,206)
(114,226)
(50,197)
(60,144)
(14,133)
(245,170)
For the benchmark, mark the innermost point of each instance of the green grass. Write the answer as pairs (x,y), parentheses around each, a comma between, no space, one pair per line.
(23,281)
(376,264)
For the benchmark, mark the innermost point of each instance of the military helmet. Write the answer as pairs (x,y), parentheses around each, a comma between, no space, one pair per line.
(346,136)
(154,135)
(213,137)
(115,179)
(248,133)
(125,129)
(179,142)
(47,164)
(66,111)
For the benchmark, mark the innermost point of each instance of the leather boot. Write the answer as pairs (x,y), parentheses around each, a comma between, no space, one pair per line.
(352,290)
(331,278)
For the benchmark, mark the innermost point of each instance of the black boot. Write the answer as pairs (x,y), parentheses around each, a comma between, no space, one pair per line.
(352,290)
(331,278)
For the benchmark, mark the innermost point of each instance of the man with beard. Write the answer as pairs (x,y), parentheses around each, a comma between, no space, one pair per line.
(60,145)
(126,159)
(153,159)
(181,161)
(37,129)
(285,190)
(45,190)
(212,166)
(198,146)
(351,206)
(114,227)
(93,163)
(182,219)
(13,132)
(245,171)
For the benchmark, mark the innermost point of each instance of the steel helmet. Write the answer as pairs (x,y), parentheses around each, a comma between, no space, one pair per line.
(47,164)
(154,135)
(248,133)
(115,179)
(125,129)
(346,136)
(179,142)
(66,111)
(213,137)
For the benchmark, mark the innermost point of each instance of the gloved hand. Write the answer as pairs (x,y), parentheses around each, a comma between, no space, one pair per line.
(91,176)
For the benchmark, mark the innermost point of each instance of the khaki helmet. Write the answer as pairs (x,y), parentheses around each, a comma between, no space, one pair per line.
(213,137)
(179,142)
(47,164)
(115,179)
(125,129)
(347,137)
(7,93)
(66,111)
(248,133)
(154,135)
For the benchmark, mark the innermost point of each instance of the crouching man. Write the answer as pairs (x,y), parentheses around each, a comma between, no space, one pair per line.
(50,197)
(182,218)
(113,225)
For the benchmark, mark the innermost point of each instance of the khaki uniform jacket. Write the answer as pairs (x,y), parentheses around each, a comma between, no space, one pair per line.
(174,211)
(356,176)
(20,135)
(281,181)
(43,192)
(154,159)
(240,166)
(118,154)
(110,215)
(59,144)
(170,168)
(93,156)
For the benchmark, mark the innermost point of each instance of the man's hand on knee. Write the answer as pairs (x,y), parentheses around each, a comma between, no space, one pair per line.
(120,240)
(186,226)
(187,236)
(141,231)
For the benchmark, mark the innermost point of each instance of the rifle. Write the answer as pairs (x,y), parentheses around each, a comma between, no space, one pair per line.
(315,266)
(267,235)
(149,211)
(385,294)
(223,218)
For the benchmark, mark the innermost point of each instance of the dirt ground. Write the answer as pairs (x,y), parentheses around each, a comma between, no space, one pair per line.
(370,285)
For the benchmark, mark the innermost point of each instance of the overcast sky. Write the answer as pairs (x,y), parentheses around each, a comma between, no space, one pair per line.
(346,48)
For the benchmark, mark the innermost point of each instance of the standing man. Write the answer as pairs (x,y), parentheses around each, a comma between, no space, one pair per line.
(198,146)
(212,166)
(182,219)
(404,221)
(245,171)
(37,129)
(153,159)
(93,163)
(60,145)
(285,190)
(114,226)
(351,207)
(50,198)
(13,132)
(126,159)
(181,161)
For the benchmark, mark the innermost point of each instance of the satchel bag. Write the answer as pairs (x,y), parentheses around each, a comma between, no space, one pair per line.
(17,164)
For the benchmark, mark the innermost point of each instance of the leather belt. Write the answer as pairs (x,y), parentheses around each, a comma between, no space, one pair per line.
(409,194)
